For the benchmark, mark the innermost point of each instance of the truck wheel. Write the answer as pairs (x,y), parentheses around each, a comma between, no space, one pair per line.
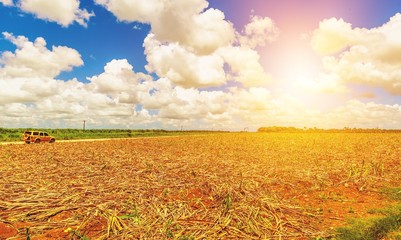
(37,141)
(52,140)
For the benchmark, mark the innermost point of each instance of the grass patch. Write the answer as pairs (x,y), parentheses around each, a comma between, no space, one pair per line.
(378,227)
(393,193)
(370,229)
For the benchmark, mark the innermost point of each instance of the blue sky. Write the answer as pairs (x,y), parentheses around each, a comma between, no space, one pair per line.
(103,40)
(200,64)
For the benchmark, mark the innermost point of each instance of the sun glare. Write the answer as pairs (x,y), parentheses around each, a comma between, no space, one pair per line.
(298,76)
(298,71)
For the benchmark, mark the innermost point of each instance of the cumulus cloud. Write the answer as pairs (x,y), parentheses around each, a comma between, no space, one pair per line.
(63,12)
(258,32)
(332,36)
(27,75)
(159,102)
(182,66)
(195,46)
(193,104)
(33,59)
(118,78)
(148,101)
(134,10)
(253,100)
(20,90)
(7,2)
(321,83)
(363,56)
(179,96)
(174,102)
(185,22)
(119,96)
(245,66)
(56,103)
(257,107)
(364,115)
(185,68)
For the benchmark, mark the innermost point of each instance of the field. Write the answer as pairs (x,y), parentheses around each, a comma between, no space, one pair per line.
(216,186)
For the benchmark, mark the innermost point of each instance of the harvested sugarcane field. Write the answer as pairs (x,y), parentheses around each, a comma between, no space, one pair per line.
(210,186)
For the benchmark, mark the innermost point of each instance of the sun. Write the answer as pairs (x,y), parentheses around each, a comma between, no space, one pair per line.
(298,74)
(298,69)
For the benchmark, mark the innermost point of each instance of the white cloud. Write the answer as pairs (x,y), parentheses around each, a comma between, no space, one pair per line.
(182,66)
(27,81)
(332,36)
(20,90)
(27,75)
(159,94)
(253,100)
(245,66)
(7,2)
(210,32)
(180,21)
(118,79)
(364,115)
(63,12)
(133,10)
(33,59)
(150,103)
(194,46)
(174,102)
(185,68)
(258,32)
(120,97)
(322,83)
(258,107)
(147,102)
(192,104)
(365,56)
(159,101)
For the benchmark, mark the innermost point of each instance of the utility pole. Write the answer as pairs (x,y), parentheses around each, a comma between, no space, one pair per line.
(84,125)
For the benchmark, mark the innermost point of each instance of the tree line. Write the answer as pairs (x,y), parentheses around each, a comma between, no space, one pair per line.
(279,129)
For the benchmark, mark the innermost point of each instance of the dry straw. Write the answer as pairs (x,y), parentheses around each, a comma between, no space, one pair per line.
(226,186)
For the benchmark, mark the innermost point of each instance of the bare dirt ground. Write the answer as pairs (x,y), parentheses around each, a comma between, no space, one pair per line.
(223,186)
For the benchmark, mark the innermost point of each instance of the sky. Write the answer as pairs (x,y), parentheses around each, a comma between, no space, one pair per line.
(198,64)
